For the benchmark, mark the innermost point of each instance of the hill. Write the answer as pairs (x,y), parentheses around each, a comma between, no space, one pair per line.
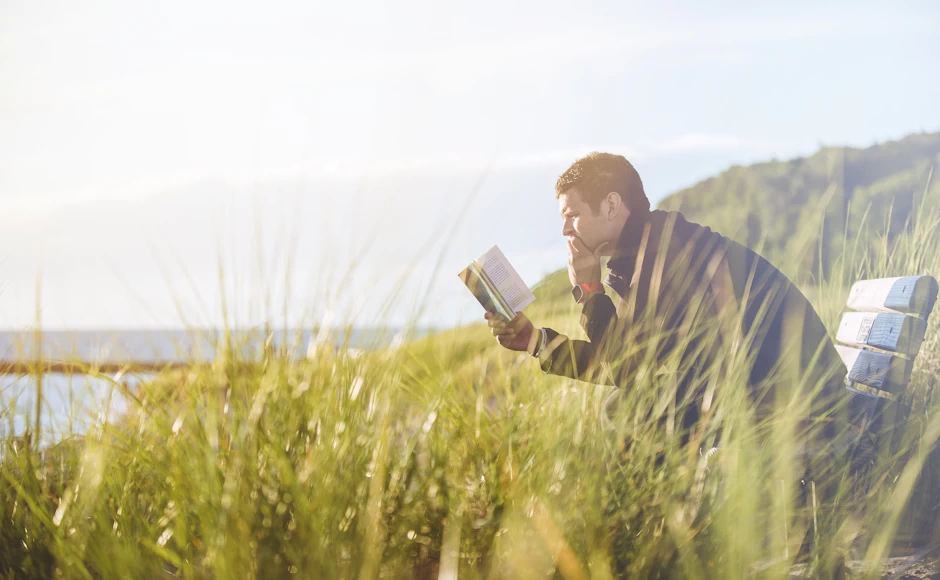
(859,194)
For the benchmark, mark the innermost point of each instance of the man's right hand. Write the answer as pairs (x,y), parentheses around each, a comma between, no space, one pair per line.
(518,334)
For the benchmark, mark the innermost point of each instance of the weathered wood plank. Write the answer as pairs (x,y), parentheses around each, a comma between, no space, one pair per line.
(880,370)
(864,409)
(905,295)
(888,331)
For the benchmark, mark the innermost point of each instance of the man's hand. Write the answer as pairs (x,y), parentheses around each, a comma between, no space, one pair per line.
(518,334)
(584,266)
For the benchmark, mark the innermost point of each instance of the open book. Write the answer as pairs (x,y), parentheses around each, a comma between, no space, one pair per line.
(496,284)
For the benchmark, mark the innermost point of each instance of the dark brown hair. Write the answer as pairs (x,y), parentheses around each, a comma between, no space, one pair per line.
(597,174)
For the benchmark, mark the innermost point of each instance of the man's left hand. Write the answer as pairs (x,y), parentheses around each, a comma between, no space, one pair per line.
(584,266)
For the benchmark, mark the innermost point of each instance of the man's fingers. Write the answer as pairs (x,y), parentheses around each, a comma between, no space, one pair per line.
(503,331)
(578,245)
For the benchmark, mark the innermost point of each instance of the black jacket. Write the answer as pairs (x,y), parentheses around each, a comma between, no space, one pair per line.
(687,296)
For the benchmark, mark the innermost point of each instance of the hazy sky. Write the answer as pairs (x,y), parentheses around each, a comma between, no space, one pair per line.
(142,142)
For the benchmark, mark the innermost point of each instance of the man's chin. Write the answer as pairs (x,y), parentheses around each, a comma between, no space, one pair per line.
(602,249)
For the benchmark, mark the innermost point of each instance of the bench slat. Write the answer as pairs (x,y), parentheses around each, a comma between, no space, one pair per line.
(905,295)
(880,370)
(864,409)
(894,332)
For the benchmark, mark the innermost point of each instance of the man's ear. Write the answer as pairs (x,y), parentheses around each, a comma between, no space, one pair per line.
(613,204)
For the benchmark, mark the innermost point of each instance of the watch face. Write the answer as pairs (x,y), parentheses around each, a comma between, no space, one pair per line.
(578,293)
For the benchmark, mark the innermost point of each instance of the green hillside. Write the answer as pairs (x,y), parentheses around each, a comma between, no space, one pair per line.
(777,206)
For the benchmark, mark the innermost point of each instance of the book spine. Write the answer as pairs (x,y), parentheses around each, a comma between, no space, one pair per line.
(503,305)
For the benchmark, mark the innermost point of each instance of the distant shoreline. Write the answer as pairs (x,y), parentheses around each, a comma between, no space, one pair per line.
(181,344)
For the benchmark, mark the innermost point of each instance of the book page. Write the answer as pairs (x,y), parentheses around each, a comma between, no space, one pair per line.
(486,296)
(506,280)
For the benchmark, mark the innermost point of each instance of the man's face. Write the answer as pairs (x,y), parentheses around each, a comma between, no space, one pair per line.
(580,221)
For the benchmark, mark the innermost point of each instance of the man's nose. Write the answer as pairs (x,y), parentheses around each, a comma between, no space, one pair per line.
(566,229)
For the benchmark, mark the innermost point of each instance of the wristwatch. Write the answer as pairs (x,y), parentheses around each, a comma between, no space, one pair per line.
(582,291)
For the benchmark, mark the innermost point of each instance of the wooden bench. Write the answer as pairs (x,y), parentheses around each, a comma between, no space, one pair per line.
(880,341)
(880,337)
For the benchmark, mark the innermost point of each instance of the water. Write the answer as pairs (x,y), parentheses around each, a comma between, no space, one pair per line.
(72,403)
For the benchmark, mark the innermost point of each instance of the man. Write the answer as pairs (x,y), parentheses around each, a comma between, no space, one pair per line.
(691,304)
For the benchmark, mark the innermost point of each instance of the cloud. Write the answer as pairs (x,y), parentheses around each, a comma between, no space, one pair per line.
(693,142)
(29,205)
(207,76)
(346,169)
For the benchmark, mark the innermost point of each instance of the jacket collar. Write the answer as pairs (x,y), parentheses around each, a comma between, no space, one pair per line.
(623,258)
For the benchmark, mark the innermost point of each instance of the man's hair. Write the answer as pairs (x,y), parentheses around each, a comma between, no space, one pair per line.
(597,174)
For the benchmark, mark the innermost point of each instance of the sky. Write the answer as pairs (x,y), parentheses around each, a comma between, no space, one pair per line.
(179,162)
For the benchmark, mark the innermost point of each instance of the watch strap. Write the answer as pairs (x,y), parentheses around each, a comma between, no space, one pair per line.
(540,343)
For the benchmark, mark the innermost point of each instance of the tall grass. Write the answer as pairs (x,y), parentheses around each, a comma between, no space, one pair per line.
(448,457)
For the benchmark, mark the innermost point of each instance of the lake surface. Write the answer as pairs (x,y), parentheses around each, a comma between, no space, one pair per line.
(73,402)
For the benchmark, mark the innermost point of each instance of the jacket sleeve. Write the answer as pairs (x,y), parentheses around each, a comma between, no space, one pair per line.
(619,342)
(582,359)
